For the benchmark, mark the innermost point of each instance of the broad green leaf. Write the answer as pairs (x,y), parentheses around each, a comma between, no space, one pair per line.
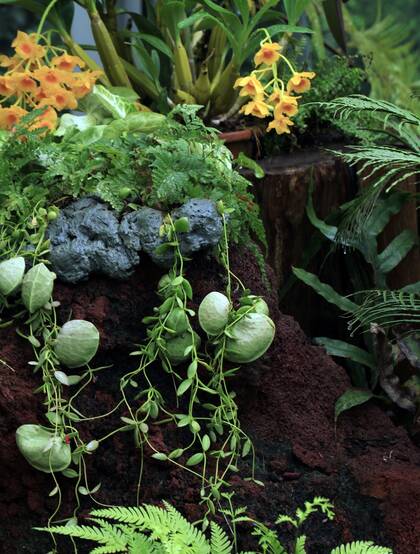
(345,350)
(396,251)
(384,209)
(329,231)
(350,399)
(157,43)
(334,14)
(324,290)
(294,9)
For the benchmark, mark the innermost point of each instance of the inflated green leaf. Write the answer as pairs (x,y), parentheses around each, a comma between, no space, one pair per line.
(213,312)
(182,225)
(205,443)
(249,338)
(160,456)
(183,387)
(11,275)
(43,448)
(195,459)
(396,251)
(325,290)
(177,321)
(177,347)
(77,343)
(350,399)
(37,287)
(345,350)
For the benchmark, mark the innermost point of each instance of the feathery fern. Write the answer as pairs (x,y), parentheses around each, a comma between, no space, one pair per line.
(385,164)
(387,308)
(361,547)
(154,530)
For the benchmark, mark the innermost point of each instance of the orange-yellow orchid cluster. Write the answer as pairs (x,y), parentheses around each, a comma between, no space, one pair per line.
(270,96)
(40,76)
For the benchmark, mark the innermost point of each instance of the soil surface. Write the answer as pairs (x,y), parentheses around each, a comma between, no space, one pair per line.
(367,466)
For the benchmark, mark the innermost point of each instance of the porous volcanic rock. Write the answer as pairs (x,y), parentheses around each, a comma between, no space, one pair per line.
(85,239)
(367,465)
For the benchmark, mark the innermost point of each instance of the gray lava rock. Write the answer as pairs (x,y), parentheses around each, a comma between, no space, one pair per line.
(205,225)
(85,239)
(141,230)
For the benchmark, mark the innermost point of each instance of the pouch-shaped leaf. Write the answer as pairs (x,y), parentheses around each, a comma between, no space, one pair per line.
(249,338)
(43,448)
(213,312)
(11,275)
(177,348)
(77,343)
(37,287)
(177,321)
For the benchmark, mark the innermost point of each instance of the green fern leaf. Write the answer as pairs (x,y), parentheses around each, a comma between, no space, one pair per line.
(220,544)
(112,538)
(361,547)
(300,545)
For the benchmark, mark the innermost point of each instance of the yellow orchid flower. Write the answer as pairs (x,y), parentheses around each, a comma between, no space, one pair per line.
(280,125)
(256,107)
(268,54)
(250,86)
(300,81)
(27,47)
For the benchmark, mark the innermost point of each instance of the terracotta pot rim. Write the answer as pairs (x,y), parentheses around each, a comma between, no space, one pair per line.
(236,136)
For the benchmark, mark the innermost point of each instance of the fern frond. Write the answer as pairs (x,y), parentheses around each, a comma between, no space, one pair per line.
(220,543)
(361,547)
(112,538)
(300,545)
(386,308)
(143,544)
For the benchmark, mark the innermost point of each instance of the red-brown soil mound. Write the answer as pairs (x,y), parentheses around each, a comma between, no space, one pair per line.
(368,467)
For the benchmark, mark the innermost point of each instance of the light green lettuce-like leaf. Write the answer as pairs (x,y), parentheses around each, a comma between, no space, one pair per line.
(79,122)
(115,105)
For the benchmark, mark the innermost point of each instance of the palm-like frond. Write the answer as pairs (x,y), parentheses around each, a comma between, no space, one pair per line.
(386,308)
(361,547)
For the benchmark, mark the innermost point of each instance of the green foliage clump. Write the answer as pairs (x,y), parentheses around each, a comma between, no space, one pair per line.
(335,77)
(163,169)
(154,530)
